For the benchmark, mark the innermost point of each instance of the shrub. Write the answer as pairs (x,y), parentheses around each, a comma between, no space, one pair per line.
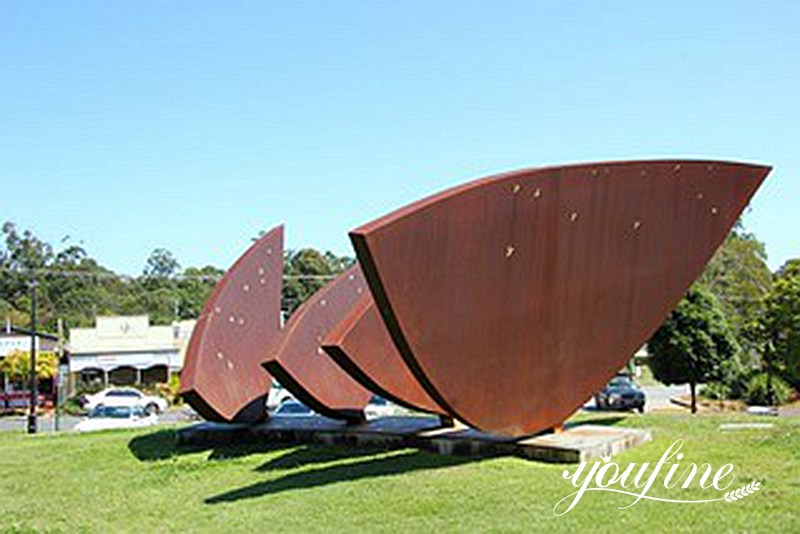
(757,390)
(72,406)
(716,391)
(168,391)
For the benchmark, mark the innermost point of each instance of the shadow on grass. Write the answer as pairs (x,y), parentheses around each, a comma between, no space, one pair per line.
(317,454)
(604,420)
(374,467)
(163,444)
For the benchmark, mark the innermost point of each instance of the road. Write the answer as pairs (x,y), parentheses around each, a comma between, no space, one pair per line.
(656,397)
(68,422)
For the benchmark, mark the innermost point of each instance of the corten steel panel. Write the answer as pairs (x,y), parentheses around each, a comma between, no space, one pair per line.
(222,378)
(300,364)
(361,345)
(514,298)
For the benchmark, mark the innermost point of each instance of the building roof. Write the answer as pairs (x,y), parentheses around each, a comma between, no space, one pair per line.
(131,333)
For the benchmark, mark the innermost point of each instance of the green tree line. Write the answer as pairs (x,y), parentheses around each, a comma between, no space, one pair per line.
(739,322)
(737,329)
(74,287)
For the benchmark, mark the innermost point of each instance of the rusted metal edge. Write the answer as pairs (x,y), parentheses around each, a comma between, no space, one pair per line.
(300,364)
(389,318)
(338,345)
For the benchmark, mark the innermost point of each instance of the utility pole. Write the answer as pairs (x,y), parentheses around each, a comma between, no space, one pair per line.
(34,386)
(768,365)
(60,376)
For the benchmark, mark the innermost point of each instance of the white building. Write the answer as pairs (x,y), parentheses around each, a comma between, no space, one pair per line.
(127,350)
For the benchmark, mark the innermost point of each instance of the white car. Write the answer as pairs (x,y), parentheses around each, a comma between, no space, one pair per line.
(112,417)
(380,407)
(293,408)
(126,397)
(277,396)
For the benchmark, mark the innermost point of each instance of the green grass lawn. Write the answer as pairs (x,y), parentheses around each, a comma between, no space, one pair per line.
(139,481)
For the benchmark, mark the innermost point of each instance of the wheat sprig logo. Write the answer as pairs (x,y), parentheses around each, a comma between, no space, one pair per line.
(744,491)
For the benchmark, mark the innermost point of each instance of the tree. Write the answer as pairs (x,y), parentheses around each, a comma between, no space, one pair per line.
(692,344)
(307,270)
(789,269)
(194,289)
(8,311)
(739,277)
(20,255)
(780,324)
(72,285)
(161,264)
(17,365)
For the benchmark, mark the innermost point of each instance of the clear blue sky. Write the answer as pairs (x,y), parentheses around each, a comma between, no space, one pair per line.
(193,125)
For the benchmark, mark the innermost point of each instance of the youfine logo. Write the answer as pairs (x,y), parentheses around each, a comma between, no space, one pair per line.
(636,481)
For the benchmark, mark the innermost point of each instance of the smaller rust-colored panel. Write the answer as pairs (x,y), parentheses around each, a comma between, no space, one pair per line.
(361,345)
(222,378)
(300,364)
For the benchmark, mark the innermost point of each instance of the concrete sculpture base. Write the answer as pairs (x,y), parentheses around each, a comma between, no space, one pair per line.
(576,443)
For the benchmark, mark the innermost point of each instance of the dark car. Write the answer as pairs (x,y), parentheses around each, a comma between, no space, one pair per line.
(620,394)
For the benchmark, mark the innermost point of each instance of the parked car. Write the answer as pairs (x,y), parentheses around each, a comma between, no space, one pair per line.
(110,417)
(126,397)
(620,394)
(293,408)
(379,407)
(277,395)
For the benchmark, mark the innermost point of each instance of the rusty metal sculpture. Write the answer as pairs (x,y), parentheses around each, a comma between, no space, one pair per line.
(506,301)
(513,298)
(300,364)
(361,345)
(221,377)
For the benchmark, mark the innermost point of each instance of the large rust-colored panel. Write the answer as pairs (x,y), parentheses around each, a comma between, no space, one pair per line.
(222,378)
(300,364)
(361,345)
(514,298)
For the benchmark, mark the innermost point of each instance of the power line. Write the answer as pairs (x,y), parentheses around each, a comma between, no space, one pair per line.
(128,278)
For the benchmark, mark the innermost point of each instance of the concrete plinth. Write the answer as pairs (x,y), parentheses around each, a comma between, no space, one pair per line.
(576,443)
(580,443)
